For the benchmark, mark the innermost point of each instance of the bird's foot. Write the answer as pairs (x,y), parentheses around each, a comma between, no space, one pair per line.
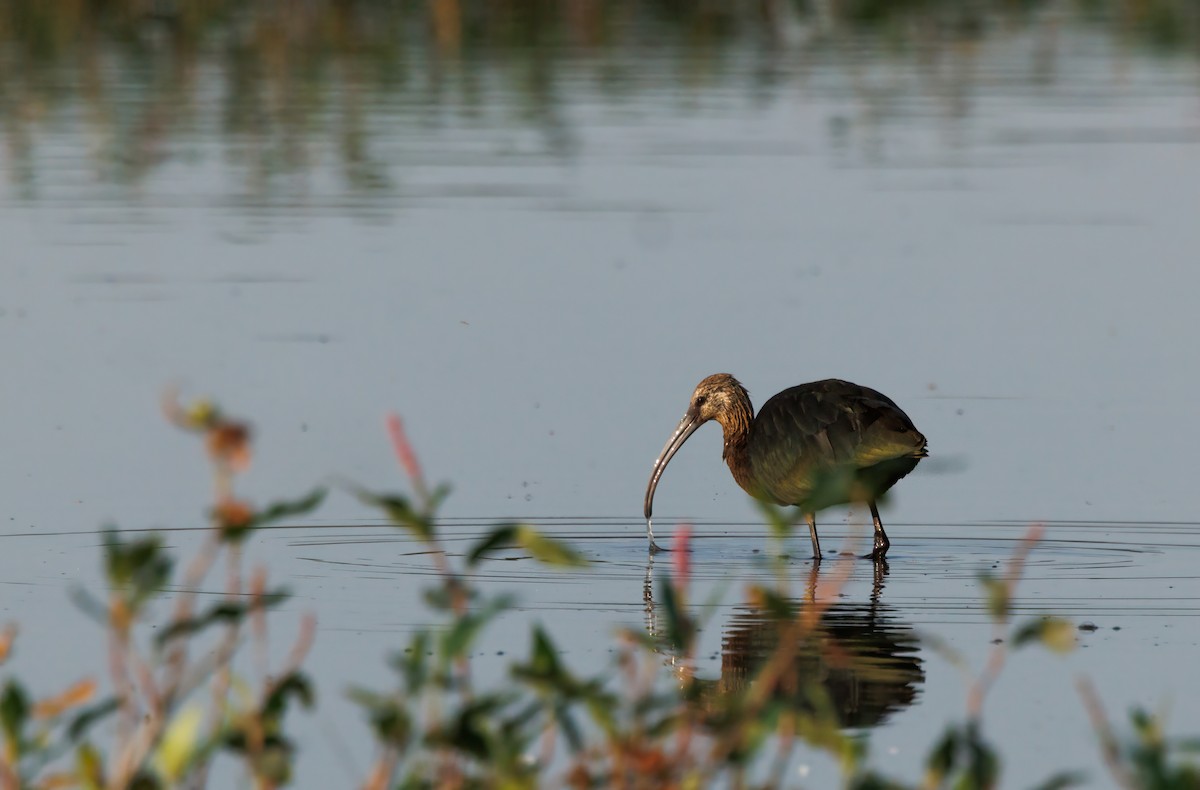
(657,549)
(878,555)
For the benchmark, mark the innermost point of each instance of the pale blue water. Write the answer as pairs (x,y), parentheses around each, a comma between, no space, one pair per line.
(1001,238)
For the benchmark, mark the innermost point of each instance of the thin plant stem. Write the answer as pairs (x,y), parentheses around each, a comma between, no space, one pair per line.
(1109,746)
(258,623)
(999,652)
(380,777)
(118,651)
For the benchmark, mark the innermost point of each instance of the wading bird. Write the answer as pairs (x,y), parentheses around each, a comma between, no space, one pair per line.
(814,445)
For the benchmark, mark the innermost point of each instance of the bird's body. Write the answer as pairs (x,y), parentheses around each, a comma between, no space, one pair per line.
(814,445)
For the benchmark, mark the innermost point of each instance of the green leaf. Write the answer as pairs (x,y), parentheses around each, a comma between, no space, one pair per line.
(89,766)
(500,536)
(569,728)
(400,512)
(1143,722)
(412,664)
(548,550)
(439,495)
(525,716)
(545,654)
(274,763)
(983,765)
(873,781)
(180,744)
(275,512)
(88,716)
(941,758)
(218,613)
(144,780)
(14,712)
(139,568)
(468,731)
(1055,633)
(90,605)
(680,629)
(1064,779)
(603,710)
(543,661)
(457,641)
(546,673)
(295,685)
(997,595)
(388,716)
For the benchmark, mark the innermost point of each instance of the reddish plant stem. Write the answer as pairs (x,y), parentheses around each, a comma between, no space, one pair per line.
(1109,747)
(406,456)
(258,622)
(999,652)
(8,777)
(197,570)
(233,585)
(380,777)
(118,650)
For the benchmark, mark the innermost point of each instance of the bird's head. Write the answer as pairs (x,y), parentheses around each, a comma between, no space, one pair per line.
(717,397)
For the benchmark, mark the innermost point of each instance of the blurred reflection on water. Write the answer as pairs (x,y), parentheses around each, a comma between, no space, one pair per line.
(96,96)
(858,660)
(864,659)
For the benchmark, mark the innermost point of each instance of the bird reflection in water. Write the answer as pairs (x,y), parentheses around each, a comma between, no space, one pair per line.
(859,661)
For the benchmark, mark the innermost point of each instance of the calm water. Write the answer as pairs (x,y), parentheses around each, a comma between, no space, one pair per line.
(534,251)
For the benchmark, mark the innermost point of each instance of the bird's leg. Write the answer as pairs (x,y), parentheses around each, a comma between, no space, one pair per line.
(881,539)
(812,531)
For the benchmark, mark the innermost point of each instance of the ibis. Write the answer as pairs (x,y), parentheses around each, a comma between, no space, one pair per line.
(814,445)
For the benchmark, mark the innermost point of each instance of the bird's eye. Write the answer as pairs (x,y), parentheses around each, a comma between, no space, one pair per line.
(701,400)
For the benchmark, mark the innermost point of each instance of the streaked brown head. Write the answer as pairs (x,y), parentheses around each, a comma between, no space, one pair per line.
(717,397)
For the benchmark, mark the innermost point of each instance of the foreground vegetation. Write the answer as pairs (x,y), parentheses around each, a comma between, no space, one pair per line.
(177,700)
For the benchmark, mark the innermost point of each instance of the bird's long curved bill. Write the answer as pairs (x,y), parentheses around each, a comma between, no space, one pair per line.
(687,426)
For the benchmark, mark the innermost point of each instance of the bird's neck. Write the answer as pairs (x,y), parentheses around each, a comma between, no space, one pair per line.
(735,422)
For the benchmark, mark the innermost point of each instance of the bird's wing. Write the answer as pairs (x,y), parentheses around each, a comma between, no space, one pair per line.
(829,424)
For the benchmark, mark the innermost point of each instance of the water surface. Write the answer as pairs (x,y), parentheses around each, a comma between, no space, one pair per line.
(533,246)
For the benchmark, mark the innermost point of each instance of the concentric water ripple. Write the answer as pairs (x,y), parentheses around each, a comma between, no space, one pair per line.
(1085,570)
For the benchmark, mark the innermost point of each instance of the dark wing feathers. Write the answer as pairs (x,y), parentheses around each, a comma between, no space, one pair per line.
(832,424)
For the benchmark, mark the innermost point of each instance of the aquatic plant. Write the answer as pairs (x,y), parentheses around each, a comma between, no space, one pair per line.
(164,732)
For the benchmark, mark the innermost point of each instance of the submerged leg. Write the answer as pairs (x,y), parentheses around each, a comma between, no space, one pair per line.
(812,531)
(881,539)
